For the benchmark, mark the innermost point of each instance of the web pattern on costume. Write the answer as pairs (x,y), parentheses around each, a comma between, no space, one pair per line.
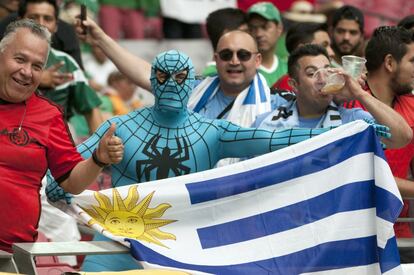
(195,146)
(155,150)
(170,63)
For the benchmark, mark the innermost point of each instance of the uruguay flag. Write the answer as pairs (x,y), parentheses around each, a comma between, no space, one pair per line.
(323,206)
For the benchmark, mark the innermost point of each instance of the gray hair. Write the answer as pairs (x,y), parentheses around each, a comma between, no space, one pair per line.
(31,25)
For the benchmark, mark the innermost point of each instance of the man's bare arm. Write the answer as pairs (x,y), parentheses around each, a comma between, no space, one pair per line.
(109,151)
(401,133)
(136,68)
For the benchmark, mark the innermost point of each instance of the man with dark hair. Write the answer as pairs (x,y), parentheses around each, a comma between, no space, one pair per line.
(308,33)
(407,22)
(390,65)
(347,32)
(301,34)
(266,26)
(310,107)
(218,23)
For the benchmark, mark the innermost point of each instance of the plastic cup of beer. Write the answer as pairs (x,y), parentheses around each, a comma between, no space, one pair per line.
(353,65)
(328,81)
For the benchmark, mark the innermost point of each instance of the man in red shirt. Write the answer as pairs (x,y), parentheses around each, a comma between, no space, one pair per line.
(34,137)
(390,65)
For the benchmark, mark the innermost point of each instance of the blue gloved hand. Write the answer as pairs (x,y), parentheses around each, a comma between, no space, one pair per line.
(54,192)
(380,130)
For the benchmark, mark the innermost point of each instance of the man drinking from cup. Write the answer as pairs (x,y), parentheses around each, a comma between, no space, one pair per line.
(310,107)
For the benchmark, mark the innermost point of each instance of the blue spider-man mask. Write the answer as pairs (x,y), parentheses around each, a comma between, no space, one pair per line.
(172,79)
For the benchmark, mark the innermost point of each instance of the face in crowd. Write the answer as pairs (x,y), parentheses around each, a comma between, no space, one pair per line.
(304,83)
(23,59)
(237,61)
(391,51)
(402,79)
(125,88)
(42,13)
(322,38)
(346,37)
(266,32)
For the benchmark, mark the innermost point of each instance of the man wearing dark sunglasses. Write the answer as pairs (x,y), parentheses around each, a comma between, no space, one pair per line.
(238,93)
(218,23)
(237,60)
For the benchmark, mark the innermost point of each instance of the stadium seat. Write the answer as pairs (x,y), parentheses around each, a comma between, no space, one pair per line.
(24,254)
(7,263)
(50,265)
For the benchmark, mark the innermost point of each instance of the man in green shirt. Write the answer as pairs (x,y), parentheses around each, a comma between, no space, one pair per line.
(265,24)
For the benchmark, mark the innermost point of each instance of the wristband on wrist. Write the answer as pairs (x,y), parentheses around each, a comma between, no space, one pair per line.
(97,161)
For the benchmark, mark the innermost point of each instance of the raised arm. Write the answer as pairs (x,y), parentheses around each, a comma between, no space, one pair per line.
(109,151)
(401,133)
(54,190)
(136,68)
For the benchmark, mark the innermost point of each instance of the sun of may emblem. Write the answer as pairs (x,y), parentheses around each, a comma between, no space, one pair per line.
(129,217)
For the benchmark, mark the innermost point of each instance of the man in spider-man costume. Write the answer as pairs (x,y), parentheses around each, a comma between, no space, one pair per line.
(168,140)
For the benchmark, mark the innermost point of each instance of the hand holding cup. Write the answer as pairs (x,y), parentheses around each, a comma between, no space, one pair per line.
(354,65)
(328,81)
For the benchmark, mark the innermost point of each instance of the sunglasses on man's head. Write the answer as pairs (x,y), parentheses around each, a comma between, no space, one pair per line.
(242,55)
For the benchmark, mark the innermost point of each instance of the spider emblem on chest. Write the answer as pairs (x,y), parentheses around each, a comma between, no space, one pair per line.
(163,160)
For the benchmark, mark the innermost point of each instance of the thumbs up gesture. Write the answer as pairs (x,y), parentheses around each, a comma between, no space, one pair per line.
(110,149)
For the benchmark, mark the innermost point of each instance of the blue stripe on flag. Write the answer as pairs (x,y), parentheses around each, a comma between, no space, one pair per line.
(390,207)
(389,255)
(320,159)
(327,256)
(350,197)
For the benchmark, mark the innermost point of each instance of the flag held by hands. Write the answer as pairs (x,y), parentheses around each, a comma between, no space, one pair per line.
(324,205)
